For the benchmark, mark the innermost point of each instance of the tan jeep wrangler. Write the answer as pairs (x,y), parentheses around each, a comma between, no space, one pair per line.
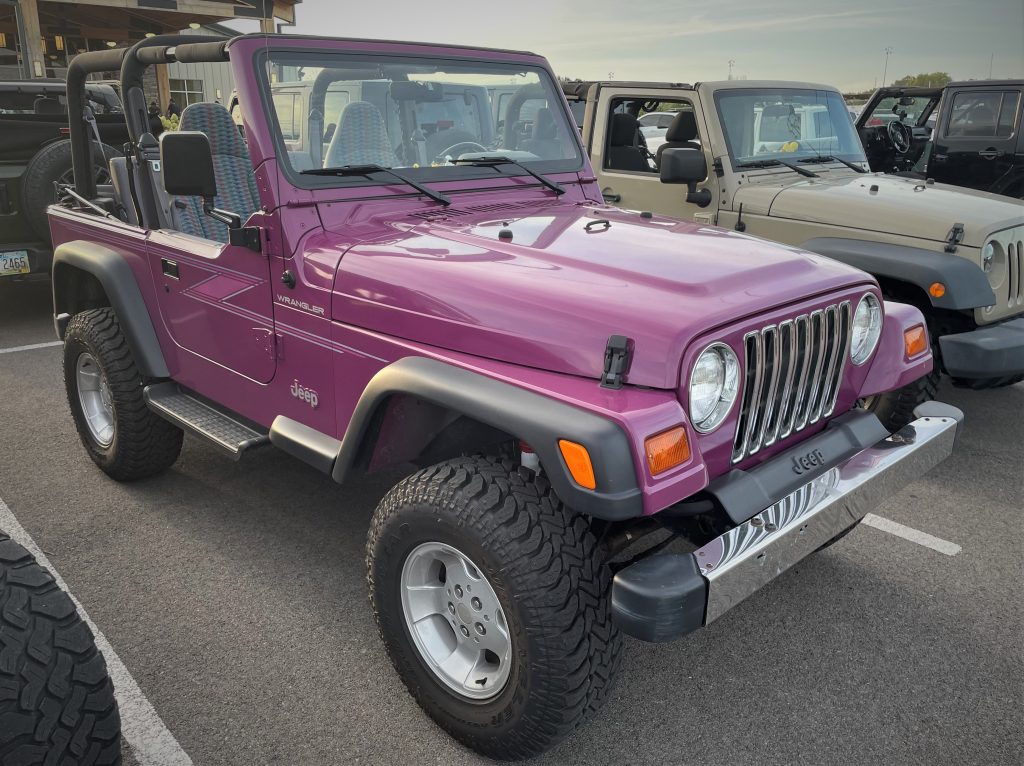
(783,161)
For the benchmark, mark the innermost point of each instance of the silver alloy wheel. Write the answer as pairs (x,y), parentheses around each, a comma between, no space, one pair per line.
(96,400)
(456,621)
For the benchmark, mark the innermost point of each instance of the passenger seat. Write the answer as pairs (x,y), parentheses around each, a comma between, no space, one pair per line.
(680,134)
(361,138)
(544,140)
(236,183)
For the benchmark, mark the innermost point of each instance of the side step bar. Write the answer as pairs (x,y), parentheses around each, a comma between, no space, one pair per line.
(218,427)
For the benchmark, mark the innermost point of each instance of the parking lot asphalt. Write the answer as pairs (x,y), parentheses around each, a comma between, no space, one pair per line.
(235,595)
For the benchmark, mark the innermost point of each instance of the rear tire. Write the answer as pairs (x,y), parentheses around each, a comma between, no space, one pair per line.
(549,575)
(135,442)
(56,700)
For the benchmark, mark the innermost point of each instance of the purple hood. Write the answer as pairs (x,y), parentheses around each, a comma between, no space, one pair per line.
(550,296)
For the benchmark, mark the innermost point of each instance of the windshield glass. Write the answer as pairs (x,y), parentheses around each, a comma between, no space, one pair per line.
(418,114)
(787,124)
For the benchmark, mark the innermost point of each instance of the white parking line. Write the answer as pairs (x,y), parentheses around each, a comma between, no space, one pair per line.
(914,535)
(151,741)
(32,346)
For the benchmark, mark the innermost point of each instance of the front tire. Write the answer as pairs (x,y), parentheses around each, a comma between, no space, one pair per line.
(551,587)
(56,700)
(896,408)
(104,387)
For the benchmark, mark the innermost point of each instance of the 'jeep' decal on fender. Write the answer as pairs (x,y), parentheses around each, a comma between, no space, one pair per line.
(807,461)
(303,394)
(295,304)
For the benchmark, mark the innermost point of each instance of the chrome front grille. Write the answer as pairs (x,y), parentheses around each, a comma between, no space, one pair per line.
(793,371)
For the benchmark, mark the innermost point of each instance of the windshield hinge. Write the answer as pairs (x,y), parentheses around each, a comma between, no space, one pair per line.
(617,356)
(716,165)
(954,238)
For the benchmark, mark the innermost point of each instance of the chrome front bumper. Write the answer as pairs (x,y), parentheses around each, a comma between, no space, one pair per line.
(666,596)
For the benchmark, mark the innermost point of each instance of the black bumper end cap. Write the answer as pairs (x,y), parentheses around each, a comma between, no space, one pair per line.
(660,598)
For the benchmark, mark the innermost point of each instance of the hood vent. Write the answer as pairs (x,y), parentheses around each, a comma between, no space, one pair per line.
(454,212)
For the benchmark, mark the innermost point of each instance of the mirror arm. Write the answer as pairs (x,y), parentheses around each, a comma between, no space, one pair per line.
(231,220)
(700,198)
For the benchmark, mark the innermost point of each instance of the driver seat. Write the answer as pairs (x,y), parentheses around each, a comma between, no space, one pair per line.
(680,134)
(361,138)
(232,166)
(626,147)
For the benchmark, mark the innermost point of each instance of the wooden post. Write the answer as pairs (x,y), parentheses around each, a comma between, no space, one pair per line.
(163,88)
(267,26)
(32,45)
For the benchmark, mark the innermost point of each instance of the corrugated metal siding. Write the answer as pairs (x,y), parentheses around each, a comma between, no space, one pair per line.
(215,77)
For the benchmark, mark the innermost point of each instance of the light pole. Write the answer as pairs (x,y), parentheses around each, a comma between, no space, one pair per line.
(885,70)
(732,62)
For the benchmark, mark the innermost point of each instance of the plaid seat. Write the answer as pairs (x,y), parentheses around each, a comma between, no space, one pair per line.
(361,138)
(236,183)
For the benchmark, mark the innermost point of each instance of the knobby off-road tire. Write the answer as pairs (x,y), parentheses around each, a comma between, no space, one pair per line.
(142,443)
(53,163)
(896,408)
(56,700)
(548,572)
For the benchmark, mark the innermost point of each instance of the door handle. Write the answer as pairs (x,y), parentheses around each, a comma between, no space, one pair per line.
(989,154)
(169,268)
(610,196)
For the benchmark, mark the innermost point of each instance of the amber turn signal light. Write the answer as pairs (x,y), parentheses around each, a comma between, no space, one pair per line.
(577,459)
(667,450)
(915,340)
(937,289)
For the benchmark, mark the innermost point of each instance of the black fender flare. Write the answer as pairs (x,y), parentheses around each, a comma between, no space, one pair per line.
(117,279)
(967,286)
(532,417)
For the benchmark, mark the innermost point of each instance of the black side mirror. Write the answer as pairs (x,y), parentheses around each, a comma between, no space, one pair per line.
(187,163)
(686,166)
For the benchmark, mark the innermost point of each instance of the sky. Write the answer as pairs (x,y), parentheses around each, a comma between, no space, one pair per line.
(837,42)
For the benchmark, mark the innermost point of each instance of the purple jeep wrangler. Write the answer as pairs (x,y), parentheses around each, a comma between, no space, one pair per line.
(397,255)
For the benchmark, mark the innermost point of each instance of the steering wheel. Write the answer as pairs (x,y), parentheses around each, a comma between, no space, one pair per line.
(462,146)
(899,136)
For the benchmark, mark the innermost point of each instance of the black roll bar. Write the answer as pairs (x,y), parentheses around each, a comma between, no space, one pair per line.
(81,140)
(131,63)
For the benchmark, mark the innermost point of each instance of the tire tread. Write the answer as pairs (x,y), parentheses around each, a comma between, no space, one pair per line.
(57,702)
(563,583)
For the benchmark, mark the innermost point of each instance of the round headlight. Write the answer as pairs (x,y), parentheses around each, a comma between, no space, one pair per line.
(867,329)
(713,386)
(988,256)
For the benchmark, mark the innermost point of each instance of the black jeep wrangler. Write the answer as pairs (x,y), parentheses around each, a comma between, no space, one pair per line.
(966,134)
(34,154)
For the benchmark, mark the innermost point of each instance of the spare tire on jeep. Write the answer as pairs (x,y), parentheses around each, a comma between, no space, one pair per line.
(56,699)
(53,164)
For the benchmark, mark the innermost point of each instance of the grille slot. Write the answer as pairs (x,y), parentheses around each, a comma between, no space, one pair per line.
(792,375)
(1015,268)
(1013,272)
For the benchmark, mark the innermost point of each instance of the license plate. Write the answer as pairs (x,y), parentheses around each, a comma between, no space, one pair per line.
(14,262)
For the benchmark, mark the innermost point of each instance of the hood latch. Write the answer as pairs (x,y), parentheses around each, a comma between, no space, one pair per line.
(618,353)
(954,238)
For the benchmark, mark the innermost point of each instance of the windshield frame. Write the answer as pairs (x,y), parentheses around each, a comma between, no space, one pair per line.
(738,165)
(435,175)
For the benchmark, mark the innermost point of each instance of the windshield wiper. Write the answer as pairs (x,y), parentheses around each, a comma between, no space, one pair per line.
(370,169)
(775,163)
(830,158)
(493,161)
